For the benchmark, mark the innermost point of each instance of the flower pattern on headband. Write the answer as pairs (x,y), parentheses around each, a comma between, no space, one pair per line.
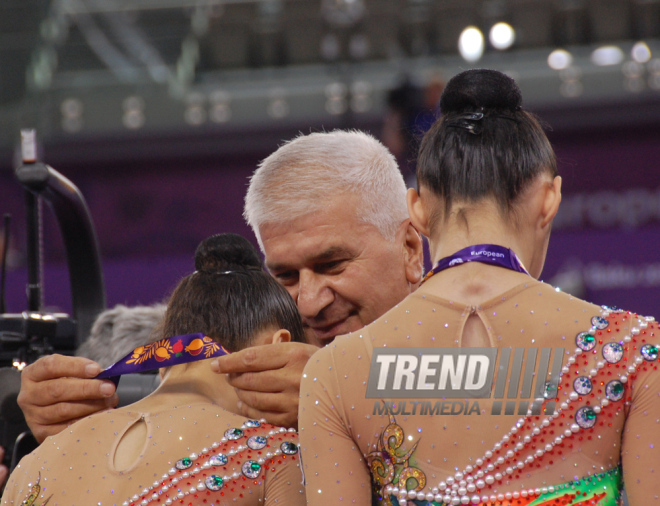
(165,352)
(163,349)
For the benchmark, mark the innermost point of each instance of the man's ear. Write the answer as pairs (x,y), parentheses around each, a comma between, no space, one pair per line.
(418,215)
(551,201)
(413,254)
(281,336)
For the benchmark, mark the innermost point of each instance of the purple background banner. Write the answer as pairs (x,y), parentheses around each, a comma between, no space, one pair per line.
(150,213)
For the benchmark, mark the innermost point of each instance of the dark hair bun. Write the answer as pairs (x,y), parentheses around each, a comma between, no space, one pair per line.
(477,88)
(226,252)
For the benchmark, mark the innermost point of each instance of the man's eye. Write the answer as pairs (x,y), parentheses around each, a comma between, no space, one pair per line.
(330,266)
(286,276)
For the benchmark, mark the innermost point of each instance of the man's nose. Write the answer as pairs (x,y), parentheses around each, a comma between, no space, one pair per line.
(313,294)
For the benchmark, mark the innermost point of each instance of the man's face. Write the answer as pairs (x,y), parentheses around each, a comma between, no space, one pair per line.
(342,272)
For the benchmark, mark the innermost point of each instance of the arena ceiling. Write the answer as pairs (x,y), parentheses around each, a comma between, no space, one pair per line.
(102,67)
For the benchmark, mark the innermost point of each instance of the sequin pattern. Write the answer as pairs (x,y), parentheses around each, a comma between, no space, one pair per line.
(204,479)
(594,397)
(227,470)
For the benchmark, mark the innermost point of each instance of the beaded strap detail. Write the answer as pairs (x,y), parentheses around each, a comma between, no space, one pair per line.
(205,473)
(470,485)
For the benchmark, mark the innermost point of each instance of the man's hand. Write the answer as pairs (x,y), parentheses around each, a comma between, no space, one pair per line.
(58,390)
(267,380)
(4,472)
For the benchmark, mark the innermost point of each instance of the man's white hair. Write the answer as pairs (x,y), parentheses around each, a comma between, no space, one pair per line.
(302,175)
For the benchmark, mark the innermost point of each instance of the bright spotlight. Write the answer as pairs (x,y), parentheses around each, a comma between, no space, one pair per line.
(471,44)
(641,52)
(502,36)
(560,59)
(20,365)
(607,55)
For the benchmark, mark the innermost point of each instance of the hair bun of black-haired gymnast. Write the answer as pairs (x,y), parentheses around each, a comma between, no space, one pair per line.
(226,252)
(475,89)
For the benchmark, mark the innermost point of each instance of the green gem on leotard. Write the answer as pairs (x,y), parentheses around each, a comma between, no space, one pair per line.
(214,482)
(585,417)
(233,434)
(585,341)
(251,469)
(614,390)
(183,464)
(550,390)
(649,352)
(289,448)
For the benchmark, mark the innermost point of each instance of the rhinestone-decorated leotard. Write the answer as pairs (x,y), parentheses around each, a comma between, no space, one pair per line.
(195,454)
(603,429)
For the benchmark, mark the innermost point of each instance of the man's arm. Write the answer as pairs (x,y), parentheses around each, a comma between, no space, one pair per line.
(267,380)
(58,390)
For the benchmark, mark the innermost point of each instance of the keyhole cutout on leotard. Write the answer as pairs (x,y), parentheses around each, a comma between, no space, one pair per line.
(130,446)
(475,333)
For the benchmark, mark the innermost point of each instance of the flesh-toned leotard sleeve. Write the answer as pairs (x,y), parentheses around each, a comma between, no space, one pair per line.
(283,480)
(334,467)
(640,447)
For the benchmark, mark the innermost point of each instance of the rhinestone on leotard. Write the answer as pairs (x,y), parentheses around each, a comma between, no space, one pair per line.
(585,341)
(585,417)
(614,390)
(251,469)
(582,385)
(257,442)
(252,424)
(289,448)
(233,434)
(649,352)
(214,482)
(218,460)
(599,322)
(613,352)
(183,464)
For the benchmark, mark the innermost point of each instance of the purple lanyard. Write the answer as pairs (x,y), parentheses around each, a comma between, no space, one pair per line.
(485,253)
(163,353)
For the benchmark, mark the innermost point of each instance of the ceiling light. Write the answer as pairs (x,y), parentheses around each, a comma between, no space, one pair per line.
(560,59)
(471,44)
(502,36)
(640,52)
(607,55)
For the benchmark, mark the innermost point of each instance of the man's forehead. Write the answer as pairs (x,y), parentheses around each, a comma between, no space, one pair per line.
(336,229)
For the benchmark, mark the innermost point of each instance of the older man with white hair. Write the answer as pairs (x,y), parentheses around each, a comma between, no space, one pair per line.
(329,213)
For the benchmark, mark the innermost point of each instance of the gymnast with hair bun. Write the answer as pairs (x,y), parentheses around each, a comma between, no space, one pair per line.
(183,444)
(488,193)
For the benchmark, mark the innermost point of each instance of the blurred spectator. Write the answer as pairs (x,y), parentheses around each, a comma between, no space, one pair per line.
(4,472)
(411,110)
(120,330)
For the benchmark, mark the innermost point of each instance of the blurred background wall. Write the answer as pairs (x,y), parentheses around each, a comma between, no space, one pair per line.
(159,110)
